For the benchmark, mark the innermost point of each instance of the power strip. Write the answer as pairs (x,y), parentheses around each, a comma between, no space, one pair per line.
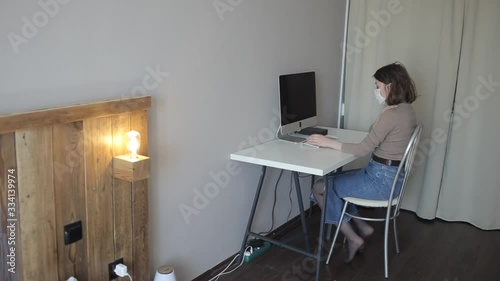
(257,251)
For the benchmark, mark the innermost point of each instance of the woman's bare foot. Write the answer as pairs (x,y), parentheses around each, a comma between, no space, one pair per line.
(353,246)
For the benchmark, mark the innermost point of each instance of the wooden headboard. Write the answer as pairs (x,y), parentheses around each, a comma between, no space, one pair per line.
(56,169)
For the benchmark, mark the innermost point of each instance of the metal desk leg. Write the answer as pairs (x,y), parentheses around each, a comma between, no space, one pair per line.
(302,213)
(310,201)
(319,261)
(252,213)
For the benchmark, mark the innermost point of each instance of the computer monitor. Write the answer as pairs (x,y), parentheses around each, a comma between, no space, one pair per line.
(297,101)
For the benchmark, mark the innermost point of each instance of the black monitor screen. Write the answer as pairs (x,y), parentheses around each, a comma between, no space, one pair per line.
(297,97)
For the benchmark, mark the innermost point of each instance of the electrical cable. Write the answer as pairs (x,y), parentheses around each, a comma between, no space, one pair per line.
(274,205)
(277,135)
(216,277)
(290,197)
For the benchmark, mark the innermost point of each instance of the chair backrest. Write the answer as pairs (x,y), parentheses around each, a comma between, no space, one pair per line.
(406,165)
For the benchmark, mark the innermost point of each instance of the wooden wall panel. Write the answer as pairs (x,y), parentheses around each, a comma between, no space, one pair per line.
(100,237)
(68,114)
(69,175)
(8,162)
(36,195)
(64,174)
(140,211)
(141,230)
(122,197)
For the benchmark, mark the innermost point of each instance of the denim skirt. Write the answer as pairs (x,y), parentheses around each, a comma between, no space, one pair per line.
(374,181)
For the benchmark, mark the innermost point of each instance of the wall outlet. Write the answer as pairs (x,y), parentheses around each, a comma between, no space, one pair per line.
(111,268)
(72,232)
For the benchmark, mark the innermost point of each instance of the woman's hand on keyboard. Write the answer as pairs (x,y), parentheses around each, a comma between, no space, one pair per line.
(324,141)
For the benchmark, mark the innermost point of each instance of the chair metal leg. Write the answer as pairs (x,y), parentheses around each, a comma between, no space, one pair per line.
(396,236)
(386,240)
(336,232)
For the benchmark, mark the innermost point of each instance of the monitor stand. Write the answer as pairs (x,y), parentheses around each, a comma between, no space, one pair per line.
(312,130)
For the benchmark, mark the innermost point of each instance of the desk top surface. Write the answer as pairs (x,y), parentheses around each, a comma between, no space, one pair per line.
(301,158)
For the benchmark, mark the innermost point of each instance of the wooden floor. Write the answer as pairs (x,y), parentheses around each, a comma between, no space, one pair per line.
(430,250)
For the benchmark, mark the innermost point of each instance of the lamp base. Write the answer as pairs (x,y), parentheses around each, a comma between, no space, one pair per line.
(130,168)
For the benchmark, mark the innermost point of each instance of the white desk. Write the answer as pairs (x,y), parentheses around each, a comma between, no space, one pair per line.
(298,159)
(301,158)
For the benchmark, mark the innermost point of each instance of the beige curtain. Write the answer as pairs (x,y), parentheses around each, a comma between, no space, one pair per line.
(470,190)
(427,36)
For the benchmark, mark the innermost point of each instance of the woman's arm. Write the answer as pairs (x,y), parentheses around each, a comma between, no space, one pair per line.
(378,131)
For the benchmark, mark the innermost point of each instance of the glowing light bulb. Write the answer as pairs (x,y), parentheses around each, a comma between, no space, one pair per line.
(133,143)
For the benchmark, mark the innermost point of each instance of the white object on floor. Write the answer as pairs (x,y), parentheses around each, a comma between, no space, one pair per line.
(165,273)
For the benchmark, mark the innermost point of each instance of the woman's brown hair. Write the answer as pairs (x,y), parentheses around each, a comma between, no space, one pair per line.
(402,88)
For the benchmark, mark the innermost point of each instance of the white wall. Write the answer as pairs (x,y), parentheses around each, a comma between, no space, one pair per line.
(216,92)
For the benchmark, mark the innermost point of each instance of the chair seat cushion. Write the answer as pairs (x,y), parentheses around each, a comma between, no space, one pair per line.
(369,202)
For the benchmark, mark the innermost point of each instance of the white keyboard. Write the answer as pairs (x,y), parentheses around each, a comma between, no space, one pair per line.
(293,139)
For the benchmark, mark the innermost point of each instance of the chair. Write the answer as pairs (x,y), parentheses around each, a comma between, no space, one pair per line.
(392,209)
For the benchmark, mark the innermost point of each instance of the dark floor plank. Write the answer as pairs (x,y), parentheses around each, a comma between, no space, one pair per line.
(430,251)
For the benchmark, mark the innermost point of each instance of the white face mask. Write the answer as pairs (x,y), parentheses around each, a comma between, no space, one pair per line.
(378,96)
